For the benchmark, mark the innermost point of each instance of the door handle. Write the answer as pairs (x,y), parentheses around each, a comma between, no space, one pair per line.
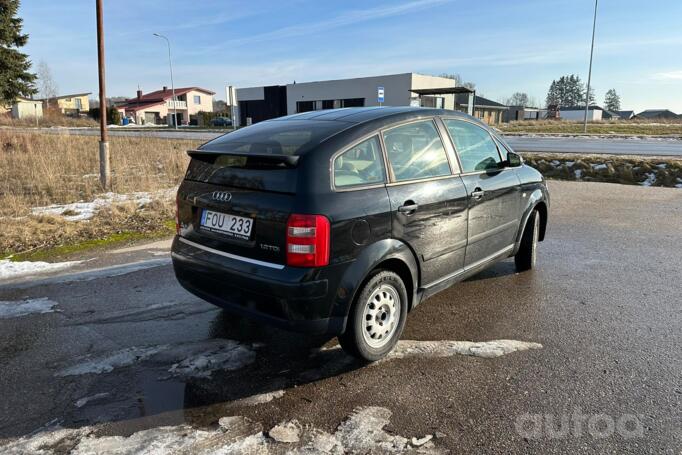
(477,193)
(408,208)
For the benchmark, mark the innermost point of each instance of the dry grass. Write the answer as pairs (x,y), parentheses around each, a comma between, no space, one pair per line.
(38,170)
(635,127)
(49,119)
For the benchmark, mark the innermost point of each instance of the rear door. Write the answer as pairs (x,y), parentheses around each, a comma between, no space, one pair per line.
(494,191)
(428,202)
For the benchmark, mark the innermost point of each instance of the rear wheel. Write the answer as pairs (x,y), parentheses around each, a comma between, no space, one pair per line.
(377,317)
(526,257)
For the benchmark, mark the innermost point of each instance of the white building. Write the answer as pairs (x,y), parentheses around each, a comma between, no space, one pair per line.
(27,108)
(261,103)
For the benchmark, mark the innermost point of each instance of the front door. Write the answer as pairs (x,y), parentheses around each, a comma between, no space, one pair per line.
(494,192)
(428,203)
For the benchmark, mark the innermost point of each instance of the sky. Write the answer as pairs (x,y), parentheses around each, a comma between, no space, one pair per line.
(502,46)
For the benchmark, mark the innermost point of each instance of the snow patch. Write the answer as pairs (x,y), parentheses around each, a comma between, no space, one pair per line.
(111,361)
(599,167)
(362,432)
(286,431)
(259,398)
(203,359)
(445,348)
(80,211)
(15,309)
(578,174)
(11,269)
(85,400)
(650,179)
(197,359)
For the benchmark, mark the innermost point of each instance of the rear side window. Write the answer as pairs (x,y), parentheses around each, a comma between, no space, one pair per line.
(415,151)
(476,149)
(362,164)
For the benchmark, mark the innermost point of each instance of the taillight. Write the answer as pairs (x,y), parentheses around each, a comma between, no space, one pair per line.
(177,214)
(307,241)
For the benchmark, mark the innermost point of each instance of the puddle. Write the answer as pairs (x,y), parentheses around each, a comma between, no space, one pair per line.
(159,396)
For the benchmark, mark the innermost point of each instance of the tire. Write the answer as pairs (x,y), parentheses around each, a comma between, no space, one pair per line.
(377,317)
(526,257)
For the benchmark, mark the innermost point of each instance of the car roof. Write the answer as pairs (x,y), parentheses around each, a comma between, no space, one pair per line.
(344,124)
(367,114)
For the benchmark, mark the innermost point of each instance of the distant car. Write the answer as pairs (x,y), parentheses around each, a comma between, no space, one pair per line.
(341,221)
(221,121)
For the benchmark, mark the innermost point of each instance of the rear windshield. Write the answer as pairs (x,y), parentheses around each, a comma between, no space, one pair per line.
(277,137)
(253,172)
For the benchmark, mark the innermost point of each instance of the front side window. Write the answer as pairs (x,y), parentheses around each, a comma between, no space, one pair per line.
(197,99)
(476,149)
(362,164)
(415,151)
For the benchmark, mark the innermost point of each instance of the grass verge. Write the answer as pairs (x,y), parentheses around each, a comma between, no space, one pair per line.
(616,127)
(644,171)
(117,239)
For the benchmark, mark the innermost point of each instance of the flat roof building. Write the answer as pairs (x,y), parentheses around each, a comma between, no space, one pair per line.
(256,104)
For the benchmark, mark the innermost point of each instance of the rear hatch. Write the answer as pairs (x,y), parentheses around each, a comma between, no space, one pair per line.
(240,188)
(238,203)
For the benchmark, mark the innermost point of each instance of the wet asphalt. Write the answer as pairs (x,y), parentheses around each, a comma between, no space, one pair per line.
(605,302)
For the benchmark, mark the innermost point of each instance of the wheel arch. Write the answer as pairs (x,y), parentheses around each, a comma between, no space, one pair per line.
(541,207)
(387,254)
(537,201)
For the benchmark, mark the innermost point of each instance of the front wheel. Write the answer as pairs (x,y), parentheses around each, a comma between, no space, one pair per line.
(377,317)
(526,257)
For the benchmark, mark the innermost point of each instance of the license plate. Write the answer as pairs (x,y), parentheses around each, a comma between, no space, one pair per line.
(224,223)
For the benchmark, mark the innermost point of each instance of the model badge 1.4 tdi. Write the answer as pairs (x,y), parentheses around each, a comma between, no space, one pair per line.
(341,221)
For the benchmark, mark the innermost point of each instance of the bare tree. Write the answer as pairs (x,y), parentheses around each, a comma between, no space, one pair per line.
(47,87)
(518,99)
(459,82)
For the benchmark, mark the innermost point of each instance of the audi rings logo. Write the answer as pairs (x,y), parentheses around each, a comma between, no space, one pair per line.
(221,196)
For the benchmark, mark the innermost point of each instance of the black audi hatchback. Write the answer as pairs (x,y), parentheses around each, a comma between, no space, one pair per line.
(341,221)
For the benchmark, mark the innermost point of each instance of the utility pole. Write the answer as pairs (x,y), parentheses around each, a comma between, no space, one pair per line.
(104,166)
(589,73)
(170,63)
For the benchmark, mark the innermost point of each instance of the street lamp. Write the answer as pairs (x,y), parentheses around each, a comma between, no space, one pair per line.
(589,74)
(170,64)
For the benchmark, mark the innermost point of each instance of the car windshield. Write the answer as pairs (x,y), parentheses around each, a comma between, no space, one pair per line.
(278,137)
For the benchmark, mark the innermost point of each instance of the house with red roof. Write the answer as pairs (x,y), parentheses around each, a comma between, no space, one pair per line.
(158,107)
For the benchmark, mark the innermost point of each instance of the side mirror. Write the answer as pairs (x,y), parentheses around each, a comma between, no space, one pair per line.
(514,159)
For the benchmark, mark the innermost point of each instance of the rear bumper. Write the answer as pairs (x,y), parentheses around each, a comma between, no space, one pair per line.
(291,298)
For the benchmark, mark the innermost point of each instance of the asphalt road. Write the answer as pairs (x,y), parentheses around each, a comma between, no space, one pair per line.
(597,145)
(575,144)
(122,348)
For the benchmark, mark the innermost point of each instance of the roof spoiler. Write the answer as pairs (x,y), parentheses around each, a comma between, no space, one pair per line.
(287,160)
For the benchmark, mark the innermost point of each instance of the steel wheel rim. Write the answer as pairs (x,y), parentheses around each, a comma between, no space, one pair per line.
(381,316)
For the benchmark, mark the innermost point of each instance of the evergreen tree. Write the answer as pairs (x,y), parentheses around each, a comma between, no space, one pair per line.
(568,91)
(612,101)
(15,78)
